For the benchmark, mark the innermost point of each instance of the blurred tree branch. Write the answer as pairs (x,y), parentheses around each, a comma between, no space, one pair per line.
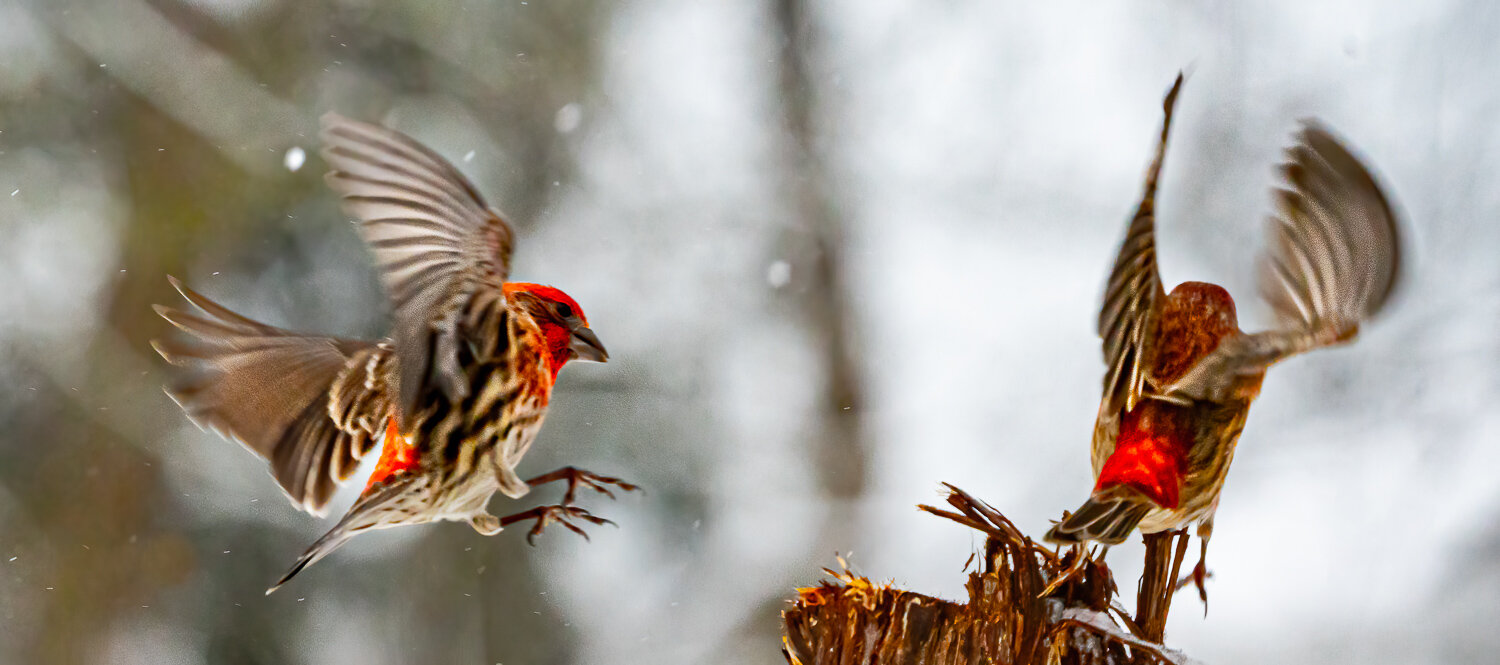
(189,89)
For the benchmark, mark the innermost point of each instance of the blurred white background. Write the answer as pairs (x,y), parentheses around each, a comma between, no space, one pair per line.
(839,252)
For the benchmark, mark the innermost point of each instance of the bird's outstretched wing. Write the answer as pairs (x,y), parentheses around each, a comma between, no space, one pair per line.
(310,405)
(1333,261)
(1132,301)
(435,243)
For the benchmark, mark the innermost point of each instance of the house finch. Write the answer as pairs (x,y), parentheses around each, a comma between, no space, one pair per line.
(1181,374)
(457,393)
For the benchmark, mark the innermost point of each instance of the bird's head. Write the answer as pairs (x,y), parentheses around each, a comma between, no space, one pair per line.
(1194,319)
(564,327)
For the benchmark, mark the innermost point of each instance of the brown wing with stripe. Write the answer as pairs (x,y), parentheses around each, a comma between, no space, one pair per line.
(1333,261)
(435,242)
(312,406)
(1335,254)
(1132,301)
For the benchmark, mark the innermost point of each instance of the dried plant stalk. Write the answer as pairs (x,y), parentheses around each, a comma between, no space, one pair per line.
(1164,553)
(1028,604)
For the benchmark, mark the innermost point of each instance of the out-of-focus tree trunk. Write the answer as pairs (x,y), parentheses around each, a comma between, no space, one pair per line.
(839,452)
(813,243)
(818,238)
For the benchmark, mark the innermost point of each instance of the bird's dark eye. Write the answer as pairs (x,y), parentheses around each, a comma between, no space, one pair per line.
(564,311)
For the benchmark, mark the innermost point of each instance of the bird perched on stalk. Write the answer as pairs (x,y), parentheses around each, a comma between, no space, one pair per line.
(455,396)
(1181,375)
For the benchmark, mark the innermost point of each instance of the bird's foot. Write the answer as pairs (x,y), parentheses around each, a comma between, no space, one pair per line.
(576,478)
(566,515)
(1198,577)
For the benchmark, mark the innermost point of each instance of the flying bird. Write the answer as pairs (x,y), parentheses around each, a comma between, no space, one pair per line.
(453,398)
(1181,375)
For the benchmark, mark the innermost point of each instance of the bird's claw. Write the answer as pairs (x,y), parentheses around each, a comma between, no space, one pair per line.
(577,477)
(1198,577)
(562,514)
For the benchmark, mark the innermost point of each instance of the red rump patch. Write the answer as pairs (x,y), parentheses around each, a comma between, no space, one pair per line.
(1151,453)
(396,456)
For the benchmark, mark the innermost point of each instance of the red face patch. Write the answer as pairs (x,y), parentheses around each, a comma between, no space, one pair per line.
(556,337)
(548,293)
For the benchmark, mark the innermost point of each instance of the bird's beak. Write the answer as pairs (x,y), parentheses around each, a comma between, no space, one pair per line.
(586,346)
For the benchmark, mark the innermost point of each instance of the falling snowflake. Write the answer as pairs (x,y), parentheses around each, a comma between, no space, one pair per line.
(779,274)
(294,159)
(568,118)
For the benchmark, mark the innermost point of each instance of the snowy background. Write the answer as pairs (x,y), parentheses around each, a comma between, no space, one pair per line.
(839,251)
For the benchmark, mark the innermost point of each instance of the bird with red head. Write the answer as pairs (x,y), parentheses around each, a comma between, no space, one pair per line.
(454,397)
(1181,375)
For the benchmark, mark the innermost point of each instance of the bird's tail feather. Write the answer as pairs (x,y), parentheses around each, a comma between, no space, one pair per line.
(1107,517)
(334,539)
(378,509)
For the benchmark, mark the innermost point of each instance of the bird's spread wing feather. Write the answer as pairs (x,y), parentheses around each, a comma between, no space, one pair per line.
(1132,300)
(435,241)
(1335,250)
(269,389)
(1332,263)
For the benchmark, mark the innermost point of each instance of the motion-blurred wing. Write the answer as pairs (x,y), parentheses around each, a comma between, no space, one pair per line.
(1333,261)
(435,242)
(1132,301)
(274,391)
(1335,250)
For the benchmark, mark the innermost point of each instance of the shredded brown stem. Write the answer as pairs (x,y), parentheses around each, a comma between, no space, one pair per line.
(1027,603)
(1164,555)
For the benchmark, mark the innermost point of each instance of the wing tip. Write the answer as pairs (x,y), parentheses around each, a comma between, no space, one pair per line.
(1312,130)
(1318,147)
(160,347)
(331,119)
(1171,99)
